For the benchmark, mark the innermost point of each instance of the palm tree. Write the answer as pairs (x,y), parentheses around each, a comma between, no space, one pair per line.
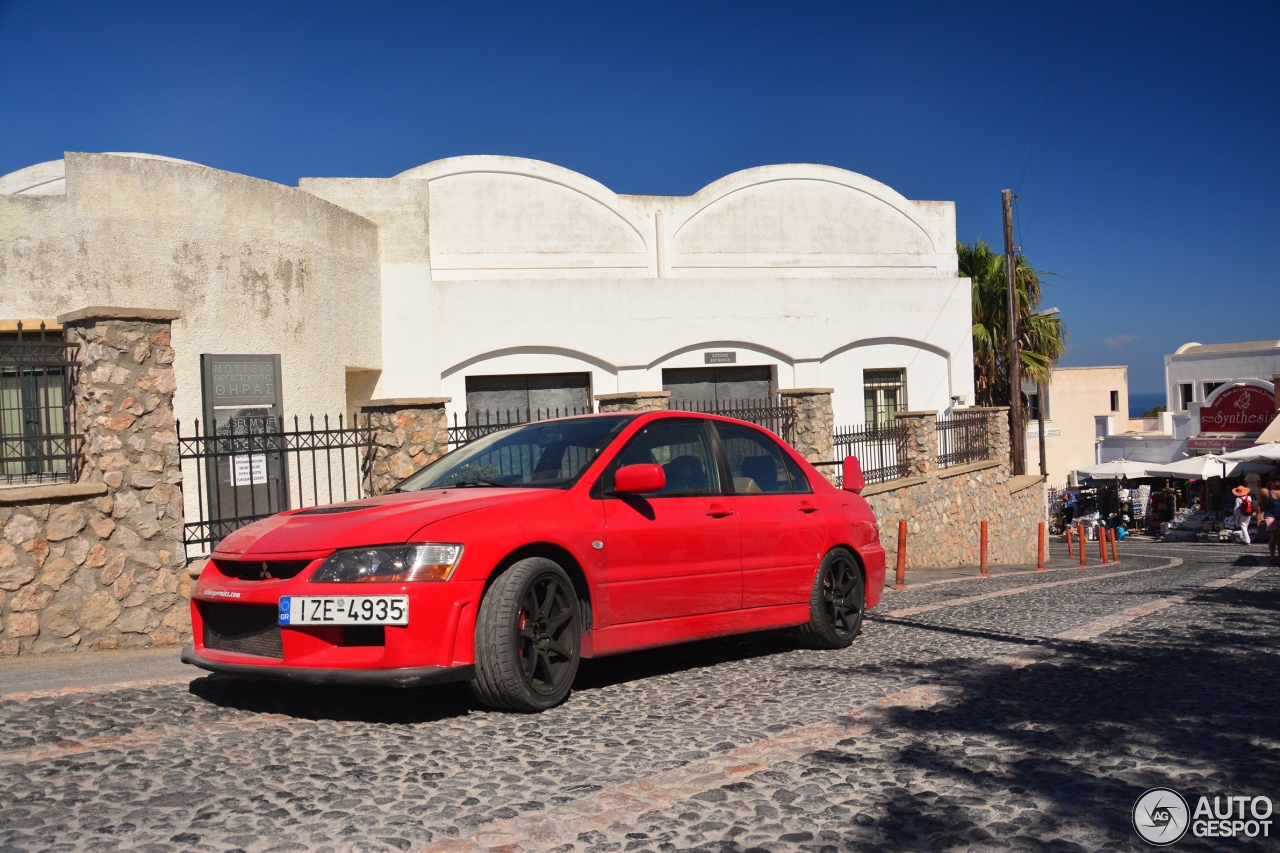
(1041,340)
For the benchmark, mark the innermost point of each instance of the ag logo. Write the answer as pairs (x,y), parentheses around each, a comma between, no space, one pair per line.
(1160,816)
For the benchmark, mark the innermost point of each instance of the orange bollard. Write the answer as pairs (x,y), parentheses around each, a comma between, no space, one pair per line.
(1070,553)
(982,564)
(1102,544)
(1080,533)
(1114,557)
(1040,550)
(900,582)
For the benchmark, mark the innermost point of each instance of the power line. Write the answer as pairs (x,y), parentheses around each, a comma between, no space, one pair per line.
(1070,112)
(1052,77)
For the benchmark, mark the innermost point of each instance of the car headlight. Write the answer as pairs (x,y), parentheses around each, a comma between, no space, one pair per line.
(390,563)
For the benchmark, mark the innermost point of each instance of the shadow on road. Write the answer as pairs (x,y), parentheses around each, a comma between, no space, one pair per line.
(427,704)
(1188,705)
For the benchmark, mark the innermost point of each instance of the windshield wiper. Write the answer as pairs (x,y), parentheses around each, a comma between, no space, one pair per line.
(479,481)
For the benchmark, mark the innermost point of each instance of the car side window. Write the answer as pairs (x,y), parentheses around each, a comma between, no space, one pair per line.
(756,462)
(683,449)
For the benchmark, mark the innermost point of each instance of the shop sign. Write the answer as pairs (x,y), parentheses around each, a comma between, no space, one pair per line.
(1243,408)
(720,358)
(1218,444)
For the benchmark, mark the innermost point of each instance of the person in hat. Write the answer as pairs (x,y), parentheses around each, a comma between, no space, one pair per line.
(1244,510)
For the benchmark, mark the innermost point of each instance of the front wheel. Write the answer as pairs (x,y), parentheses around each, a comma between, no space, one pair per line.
(527,638)
(836,604)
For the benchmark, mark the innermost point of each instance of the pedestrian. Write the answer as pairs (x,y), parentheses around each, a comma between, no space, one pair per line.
(1271,517)
(1068,509)
(1244,511)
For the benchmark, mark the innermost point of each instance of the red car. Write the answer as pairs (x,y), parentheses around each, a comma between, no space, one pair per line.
(508,560)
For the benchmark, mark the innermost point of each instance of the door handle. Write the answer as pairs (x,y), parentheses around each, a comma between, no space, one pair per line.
(808,506)
(718,511)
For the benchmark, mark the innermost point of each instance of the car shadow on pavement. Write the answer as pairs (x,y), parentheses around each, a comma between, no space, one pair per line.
(608,671)
(427,704)
(389,705)
(1058,749)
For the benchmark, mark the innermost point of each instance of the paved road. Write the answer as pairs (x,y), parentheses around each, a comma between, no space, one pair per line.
(1024,712)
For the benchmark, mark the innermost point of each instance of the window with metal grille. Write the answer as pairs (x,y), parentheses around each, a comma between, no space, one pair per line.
(885,393)
(38,443)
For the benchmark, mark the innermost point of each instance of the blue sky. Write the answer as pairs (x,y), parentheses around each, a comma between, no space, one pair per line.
(1159,208)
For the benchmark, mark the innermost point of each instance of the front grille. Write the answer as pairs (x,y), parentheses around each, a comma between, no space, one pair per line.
(260,570)
(250,629)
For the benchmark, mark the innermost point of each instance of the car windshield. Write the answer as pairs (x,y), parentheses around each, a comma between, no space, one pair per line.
(546,455)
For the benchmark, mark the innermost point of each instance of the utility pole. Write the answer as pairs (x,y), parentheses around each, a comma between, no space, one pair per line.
(1044,467)
(1017,424)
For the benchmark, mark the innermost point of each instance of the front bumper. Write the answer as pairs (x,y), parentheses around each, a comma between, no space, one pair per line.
(413,676)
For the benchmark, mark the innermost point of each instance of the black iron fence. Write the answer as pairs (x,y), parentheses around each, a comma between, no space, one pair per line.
(876,448)
(245,469)
(38,439)
(774,415)
(962,438)
(478,424)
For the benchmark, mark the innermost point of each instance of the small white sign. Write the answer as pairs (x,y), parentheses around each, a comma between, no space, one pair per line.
(249,470)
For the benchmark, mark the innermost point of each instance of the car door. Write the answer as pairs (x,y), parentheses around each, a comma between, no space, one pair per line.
(784,530)
(675,552)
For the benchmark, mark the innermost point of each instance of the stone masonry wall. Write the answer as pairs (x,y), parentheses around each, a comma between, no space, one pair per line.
(99,564)
(408,434)
(815,422)
(944,507)
(635,401)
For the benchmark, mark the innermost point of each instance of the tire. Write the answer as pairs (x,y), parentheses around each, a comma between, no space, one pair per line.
(837,603)
(528,635)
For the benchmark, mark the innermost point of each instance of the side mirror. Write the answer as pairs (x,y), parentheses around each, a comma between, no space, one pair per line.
(639,479)
(853,481)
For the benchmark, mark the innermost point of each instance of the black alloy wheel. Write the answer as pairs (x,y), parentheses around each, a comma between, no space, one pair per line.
(837,603)
(528,637)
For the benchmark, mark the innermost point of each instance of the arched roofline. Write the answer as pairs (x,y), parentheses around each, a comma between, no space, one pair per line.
(501,164)
(528,350)
(504,165)
(758,175)
(760,348)
(906,342)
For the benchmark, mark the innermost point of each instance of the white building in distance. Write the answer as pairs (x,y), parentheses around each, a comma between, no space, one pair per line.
(502,282)
(1219,397)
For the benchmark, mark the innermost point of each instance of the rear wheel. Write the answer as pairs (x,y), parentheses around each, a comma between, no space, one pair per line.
(836,604)
(527,638)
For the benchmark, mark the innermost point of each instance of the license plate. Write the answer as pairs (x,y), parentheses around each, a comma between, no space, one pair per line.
(344,610)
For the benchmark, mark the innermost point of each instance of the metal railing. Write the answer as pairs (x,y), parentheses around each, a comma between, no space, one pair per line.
(38,440)
(774,415)
(478,424)
(246,469)
(876,448)
(962,438)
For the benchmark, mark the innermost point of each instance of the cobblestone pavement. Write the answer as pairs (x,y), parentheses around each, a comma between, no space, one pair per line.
(1023,712)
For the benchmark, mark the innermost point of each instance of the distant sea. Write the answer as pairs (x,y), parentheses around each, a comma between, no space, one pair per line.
(1139,403)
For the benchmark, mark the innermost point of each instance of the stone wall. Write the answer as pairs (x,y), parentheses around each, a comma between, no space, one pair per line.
(634,401)
(98,564)
(407,435)
(943,507)
(815,422)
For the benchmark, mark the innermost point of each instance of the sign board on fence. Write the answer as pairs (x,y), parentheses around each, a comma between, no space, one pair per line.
(250,470)
(720,358)
(246,475)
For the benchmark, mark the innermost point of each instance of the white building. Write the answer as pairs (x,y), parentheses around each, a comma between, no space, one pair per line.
(1219,397)
(503,282)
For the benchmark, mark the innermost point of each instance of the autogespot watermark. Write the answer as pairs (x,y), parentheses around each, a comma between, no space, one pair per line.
(1162,817)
